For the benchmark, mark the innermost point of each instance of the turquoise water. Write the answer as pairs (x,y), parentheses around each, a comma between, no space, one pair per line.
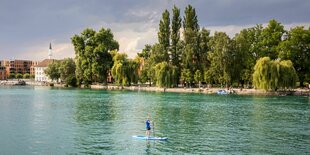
(41,120)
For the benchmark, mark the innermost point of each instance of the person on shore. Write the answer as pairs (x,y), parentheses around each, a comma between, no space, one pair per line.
(148,126)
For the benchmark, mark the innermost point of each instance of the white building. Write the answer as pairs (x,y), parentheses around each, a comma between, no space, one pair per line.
(40,76)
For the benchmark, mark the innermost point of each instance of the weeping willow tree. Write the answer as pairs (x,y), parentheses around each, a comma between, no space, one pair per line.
(288,74)
(131,71)
(165,74)
(273,74)
(124,71)
(118,73)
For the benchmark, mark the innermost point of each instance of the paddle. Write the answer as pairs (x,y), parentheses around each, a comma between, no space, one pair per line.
(153,129)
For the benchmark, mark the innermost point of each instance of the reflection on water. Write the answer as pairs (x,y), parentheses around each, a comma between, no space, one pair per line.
(39,120)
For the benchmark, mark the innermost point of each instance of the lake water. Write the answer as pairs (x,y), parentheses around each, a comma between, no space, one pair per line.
(42,120)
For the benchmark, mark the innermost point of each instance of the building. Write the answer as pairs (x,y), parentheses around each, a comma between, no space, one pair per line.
(2,71)
(17,66)
(40,76)
(32,70)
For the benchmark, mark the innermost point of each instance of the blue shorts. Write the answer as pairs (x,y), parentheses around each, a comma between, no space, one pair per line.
(148,128)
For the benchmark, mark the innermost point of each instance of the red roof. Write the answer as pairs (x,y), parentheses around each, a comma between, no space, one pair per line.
(45,63)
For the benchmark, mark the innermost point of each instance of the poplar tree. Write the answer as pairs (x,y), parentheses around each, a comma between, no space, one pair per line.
(164,34)
(190,54)
(204,38)
(175,36)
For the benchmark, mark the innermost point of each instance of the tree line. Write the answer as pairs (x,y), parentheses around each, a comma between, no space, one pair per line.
(265,57)
(20,76)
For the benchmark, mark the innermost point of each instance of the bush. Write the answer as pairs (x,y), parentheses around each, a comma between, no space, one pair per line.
(71,81)
(19,76)
(11,76)
(26,76)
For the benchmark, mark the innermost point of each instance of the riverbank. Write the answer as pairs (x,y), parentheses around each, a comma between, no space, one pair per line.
(295,92)
(238,91)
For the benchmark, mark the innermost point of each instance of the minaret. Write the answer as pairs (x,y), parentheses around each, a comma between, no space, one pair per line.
(50,52)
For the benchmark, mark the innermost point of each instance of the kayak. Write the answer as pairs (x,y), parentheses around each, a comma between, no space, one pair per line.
(150,138)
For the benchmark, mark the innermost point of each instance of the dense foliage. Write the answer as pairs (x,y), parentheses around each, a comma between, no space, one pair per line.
(93,60)
(52,70)
(63,70)
(198,57)
(266,57)
(274,74)
(125,71)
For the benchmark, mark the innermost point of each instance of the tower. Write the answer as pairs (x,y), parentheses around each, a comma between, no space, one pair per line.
(50,52)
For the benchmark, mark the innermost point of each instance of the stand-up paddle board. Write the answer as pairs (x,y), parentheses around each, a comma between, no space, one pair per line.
(150,138)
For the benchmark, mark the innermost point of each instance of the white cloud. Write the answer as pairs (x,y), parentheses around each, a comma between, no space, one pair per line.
(231,30)
(63,50)
(292,25)
(39,52)
(132,42)
(131,36)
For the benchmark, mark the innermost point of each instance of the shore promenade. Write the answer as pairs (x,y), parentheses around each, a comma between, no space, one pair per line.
(295,92)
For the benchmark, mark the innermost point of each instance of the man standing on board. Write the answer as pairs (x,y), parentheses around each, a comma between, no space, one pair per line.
(148,126)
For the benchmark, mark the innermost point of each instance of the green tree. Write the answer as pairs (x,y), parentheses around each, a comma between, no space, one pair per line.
(176,49)
(12,76)
(92,56)
(175,36)
(146,52)
(243,43)
(204,38)
(118,73)
(271,38)
(19,76)
(145,55)
(288,75)
(125,71)
(158,54)
(248,44)
(164,31)
(26,76)
(297,49)
(221,58)
(198,77)
(84,46)
(102,60)
(132,67)
(186,77)
(273,74)
(67,71)
(52,70)
(191,53)
(164,74)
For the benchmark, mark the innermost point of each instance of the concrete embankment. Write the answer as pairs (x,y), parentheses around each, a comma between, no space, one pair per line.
(295,92)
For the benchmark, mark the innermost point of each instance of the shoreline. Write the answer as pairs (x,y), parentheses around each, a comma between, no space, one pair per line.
(237,91)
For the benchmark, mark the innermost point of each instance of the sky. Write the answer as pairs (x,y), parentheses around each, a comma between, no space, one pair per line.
(27,27)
